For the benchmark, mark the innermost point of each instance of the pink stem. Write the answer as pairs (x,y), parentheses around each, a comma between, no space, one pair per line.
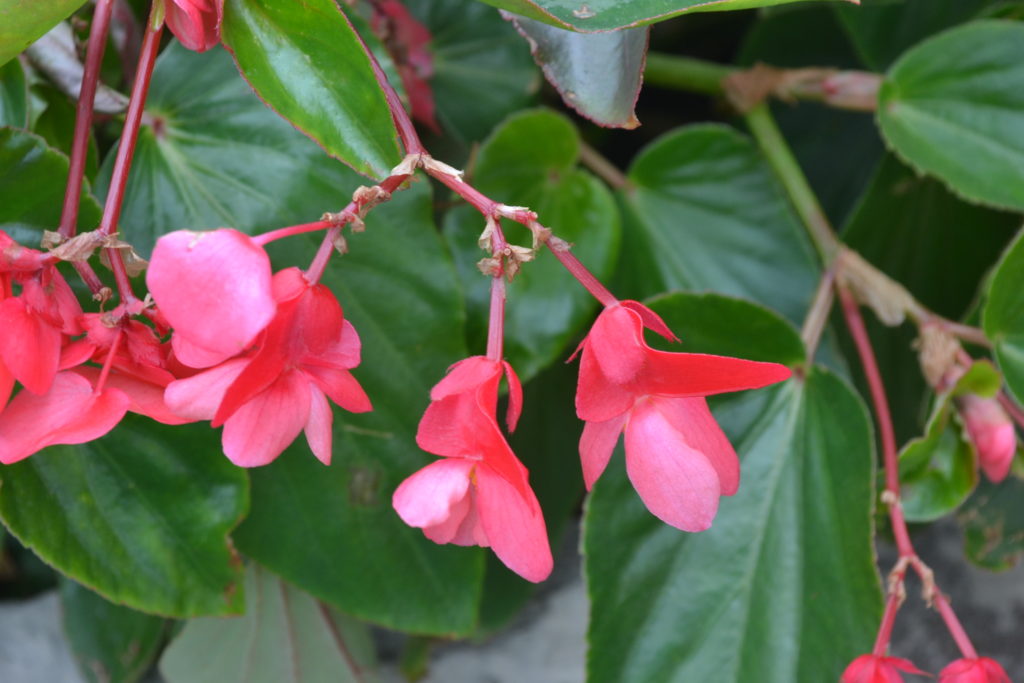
(83,116)
(274,235)
(956,629)
(108,362)
(892,605)
(584,276)
(475,198)
(496,324)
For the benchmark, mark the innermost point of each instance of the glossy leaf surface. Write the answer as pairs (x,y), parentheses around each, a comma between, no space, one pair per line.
(23,21)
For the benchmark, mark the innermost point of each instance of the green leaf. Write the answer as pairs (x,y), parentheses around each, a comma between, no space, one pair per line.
(607,15)
(33,177)
(307,62)
(597,74)
(913,229)
(216,156)
(54,117)
(482,69)
(938,470)
(332,530)
(1004,316)
(113,644)
(285,636)
(531,161)
(783,587)
(22,21)
(141,516)
(981,378)
(881,30)
(993,524)
(13,95)
(953,107)
(703,212)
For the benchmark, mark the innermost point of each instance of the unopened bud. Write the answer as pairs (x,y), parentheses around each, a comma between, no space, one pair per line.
(992,432)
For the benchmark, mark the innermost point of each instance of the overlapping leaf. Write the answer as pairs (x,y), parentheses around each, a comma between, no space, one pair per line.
(1004,316)
(13,95)
(285,636)
(308,63)
(783,587)
(22,21)
(141,516)
(531,161)
(953,107)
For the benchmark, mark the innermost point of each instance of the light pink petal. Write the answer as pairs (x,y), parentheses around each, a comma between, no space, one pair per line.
(198,397)
(617,343)
(426,498)
(598,399)
(677,483)
(701,374)
(68,414)
(144,398)
(214,288)
(692,418)
(514,526)
(466,375)
(266,425)
(318,426)
(515,398)
(596,446)
(341,387)
(6,385)
(195,356)
(29,346)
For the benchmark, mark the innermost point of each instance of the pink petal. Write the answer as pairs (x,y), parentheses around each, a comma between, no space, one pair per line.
(6,385)
(597,398)
(262,370)
(677,483)
(214,289)
(466,375)
(319,319)
(617,344)
(596,446)
(692,418)
(198,397)
(75,353)
(144,398)
(194,23)
(29,346)
(515,397)
(70,413)
(992,432)
(514,525)
(426,498)
(318,426)
(266,425)
(341,387)
(195,356)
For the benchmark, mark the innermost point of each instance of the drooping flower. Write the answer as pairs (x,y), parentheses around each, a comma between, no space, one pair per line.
(280,387)
(479,493)
(878,669)
(973,670)
(992,432)
(214,289)
(677,457)
(195,23)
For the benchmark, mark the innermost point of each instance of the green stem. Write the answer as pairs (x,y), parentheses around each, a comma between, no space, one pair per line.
(686,73)
(787,170)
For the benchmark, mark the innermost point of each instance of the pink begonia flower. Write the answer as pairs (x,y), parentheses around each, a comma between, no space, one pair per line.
(677,457)
(479,494)
(71,412)
(195,23)
(878,669)
(214,289)
(280,388)
(992,432)
(36,326)
(973,670)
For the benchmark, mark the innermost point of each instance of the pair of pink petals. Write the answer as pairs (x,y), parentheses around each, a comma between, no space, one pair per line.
(677,457)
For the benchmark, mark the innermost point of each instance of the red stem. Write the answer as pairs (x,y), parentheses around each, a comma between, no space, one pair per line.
(584,276)
(496,324)
(485,205)
(956,629)
(274,235)
(83,116)
(108,362)
(892,605)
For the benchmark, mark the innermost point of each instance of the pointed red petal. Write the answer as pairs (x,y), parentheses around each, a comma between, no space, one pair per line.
(699,374)
(341,387)
(514,525)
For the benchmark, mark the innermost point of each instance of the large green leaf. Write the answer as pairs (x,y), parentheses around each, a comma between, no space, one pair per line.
(938,247)
(953,107)
(113,644)
(482,69)
(32,181)
(13,95)
(597,74)
(332,531)
(216,156)
(704,212)
(881,29)
(285,636)
(141,516)
(531,161)
(307,62)
(783,587)
(606,15)
(22,21)
(1004,316)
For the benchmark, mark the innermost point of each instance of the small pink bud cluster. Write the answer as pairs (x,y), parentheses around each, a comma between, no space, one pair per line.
(882,669)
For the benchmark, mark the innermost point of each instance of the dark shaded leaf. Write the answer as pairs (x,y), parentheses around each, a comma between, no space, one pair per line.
(1004,316)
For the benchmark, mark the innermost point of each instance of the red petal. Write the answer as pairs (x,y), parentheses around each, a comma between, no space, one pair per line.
(515,398)
(466,375)
(319,319)
(698,428)
(699,374)
(596,446)
(257,433)
(597,398)
(195,22)
(677,483)
(514,525)
(617,345)
(341,387)
(6,385)
(651,320)
(29,346)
